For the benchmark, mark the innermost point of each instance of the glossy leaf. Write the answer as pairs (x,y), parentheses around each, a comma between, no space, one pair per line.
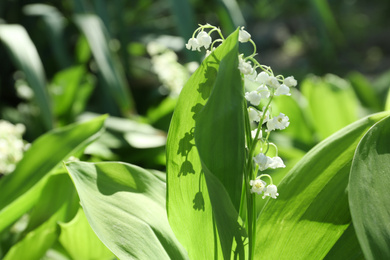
(125,206)
(369,195)
(45,154)
(26,58)
(312,213)
(188,203)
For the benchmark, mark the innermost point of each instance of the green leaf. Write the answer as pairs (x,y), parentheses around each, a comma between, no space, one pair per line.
(220,139)
(347,247)
(26,58)
(35,244)
(312,211)
(369,195)
(299,128)
(78,238)
(55,25)
(188,203)
(57,202)
(108,64)
(45,154)
(364,91)
(332,103)
(125,206)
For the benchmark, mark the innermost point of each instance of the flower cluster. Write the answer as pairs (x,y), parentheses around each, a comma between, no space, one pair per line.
(169,71)
(259,186)
(12,146)
(262,86)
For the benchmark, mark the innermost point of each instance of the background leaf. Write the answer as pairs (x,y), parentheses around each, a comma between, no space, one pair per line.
(125,206)
(44,154)
(108,64)
(369,195)
(332,103)
(20,47)
(312,212)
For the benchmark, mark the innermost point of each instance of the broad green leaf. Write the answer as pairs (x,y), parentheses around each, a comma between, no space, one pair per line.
(44,154)
(109,67)
(78,238)
(332,103)
(189,208)
(125,206)
(220,139)
(23,52)
(312,212)
(369,195)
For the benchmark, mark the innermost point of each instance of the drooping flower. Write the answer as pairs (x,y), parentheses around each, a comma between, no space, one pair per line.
(254,114)
(258,186)
(263,91)
(253,133)
(263,78)
(273,82)
(253,97)
(244,66)
(262,160)
(243,36)
(204,39)
(290,81)
(280,122)
(193,44)
(282,90)
(276,162)
(271,191)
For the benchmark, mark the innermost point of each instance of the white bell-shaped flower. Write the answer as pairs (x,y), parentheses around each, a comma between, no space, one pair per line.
(258,186)
(244,66)
(263,78)
(263,91)
(282,90)
(290,81)
(204,39)
(253,133)
(262,160)
(271,191)
(243,36)
(276,162)
(280,122)
(193,44)
(253,97)
(254,114)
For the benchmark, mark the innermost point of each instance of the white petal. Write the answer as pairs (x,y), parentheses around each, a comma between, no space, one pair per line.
(253,97)
(282,90)
(243,36)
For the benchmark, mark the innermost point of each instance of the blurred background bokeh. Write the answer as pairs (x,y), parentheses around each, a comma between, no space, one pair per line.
(62,61)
